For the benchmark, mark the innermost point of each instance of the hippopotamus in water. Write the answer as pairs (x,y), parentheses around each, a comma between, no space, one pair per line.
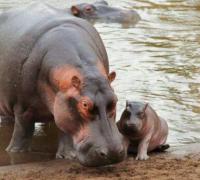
(101,11)
(145,130)
(54,67)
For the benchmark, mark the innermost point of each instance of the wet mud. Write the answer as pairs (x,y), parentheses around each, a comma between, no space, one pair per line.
(181,162)
(159,166)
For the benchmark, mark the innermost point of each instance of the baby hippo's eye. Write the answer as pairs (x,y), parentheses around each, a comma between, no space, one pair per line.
(127,114)
(140,115)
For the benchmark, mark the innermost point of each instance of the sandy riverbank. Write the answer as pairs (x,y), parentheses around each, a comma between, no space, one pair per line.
(178,163)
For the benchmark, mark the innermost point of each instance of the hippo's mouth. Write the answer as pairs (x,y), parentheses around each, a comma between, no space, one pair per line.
(92,160)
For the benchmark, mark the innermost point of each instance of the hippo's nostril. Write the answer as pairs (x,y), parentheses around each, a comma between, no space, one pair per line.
(102,153)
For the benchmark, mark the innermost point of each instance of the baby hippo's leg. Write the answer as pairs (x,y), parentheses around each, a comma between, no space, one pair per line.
(143,147)
(162,148)
(142,151)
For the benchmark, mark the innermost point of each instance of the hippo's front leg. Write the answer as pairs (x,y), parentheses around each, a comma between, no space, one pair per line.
(143,147)
(142,151)
(65,147)
(23,131)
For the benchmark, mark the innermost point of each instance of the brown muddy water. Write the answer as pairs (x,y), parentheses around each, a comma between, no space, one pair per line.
(157,61)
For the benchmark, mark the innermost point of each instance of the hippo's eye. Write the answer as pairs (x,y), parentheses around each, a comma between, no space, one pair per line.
(85,105)
(88,9)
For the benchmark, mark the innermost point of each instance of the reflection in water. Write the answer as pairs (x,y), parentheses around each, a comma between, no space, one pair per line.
(157,61)
(44,144)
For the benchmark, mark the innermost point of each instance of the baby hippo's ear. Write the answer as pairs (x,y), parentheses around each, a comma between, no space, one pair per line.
(112,76)
(127,105)
(145,107)
(75,10)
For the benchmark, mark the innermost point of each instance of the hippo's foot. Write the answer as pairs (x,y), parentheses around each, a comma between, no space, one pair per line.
(162,148)
(69,155)
(65,148)
(14,147)
(23,131)
(142,157)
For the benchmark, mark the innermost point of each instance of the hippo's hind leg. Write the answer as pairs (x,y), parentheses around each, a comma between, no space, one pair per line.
(162,148)
(65,147)
(23,131)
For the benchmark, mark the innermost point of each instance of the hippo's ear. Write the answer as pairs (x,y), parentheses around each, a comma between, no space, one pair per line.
(111,76)
(75,11)
(76,82)
(145,107)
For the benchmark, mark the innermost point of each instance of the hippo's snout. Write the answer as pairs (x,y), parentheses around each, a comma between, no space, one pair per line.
(114,154)
(93,155)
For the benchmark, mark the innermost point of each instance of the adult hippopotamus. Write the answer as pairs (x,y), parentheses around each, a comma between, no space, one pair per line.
(101,11)
(54,66)
(145,130)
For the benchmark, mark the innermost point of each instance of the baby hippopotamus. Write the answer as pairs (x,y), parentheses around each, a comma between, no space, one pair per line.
(145,130)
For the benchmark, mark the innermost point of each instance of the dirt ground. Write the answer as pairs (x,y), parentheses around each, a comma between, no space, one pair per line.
(177,164)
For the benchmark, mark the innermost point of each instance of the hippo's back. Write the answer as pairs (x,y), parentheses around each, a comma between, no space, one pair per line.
(20,31)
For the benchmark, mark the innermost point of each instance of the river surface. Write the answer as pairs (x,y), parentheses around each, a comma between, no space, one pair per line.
(157,61)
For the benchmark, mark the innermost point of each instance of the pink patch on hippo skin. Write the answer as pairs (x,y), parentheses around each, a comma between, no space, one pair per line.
(62,77)
(62,115)
(82,134)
